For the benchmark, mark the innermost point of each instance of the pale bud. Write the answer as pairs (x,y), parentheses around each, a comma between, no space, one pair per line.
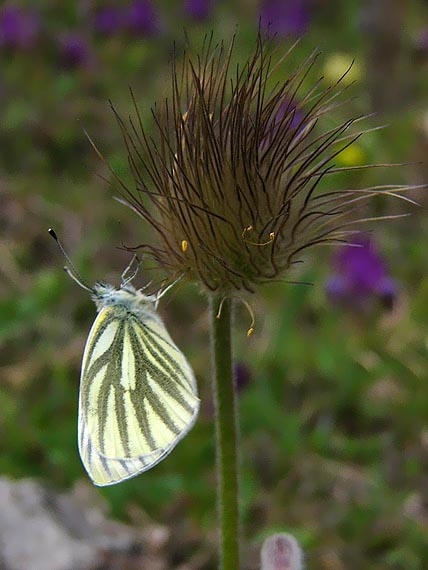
(281,552)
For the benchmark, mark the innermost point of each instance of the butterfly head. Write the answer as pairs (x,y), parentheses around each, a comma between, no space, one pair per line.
(103,294)
(127,297)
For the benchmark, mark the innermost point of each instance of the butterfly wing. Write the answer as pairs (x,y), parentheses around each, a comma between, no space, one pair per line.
(138,396)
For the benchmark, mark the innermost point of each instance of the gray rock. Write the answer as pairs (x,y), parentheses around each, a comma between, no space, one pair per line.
(41,529)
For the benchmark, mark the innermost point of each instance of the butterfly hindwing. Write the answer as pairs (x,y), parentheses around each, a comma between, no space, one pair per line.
(138,395)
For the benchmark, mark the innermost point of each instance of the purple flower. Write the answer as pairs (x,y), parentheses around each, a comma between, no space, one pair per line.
(142,18)
(109,21)
(74,51)
(18,28)
(198,9)
(360,276)
(285,17)
(242,376)
(291,110)
(420,45)
(288,114)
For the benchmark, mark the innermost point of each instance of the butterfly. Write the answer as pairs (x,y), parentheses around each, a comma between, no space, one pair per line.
(138,395)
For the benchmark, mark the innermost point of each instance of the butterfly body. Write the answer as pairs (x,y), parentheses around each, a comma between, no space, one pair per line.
(138,395)
(128,297)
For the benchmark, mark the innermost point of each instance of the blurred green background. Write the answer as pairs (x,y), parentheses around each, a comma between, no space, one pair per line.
(334,403)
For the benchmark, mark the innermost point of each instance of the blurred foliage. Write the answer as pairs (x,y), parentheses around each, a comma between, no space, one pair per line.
(335,420)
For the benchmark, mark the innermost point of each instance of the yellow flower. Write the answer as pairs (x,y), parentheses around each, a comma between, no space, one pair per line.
(340,65)
(353,155)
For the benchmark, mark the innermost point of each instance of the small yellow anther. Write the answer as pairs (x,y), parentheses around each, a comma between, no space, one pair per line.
(184,245)
(250,310)
(245,230)
(249,229)
(218,315)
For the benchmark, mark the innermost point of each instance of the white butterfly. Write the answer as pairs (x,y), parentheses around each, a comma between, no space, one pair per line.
(138,395)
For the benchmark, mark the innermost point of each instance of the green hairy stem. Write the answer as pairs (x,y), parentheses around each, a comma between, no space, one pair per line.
(226,420)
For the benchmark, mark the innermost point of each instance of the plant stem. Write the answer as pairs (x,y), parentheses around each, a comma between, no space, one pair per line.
(226,432)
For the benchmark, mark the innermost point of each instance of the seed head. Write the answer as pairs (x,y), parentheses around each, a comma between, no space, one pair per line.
(230,180)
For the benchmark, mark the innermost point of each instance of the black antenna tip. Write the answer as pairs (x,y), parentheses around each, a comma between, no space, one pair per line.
(53,234)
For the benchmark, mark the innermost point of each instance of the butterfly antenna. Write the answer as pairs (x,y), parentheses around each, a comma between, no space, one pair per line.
(70,269)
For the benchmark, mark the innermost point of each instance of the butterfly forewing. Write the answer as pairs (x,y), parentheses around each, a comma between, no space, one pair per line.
(138,396)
